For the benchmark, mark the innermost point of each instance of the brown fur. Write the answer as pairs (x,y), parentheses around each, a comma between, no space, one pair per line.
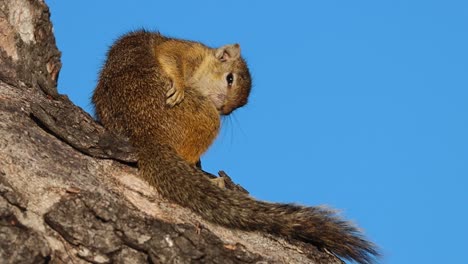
(131,99)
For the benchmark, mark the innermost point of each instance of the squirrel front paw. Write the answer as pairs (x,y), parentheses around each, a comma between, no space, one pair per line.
(175,95)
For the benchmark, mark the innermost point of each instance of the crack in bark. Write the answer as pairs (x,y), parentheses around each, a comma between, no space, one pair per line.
(78,129)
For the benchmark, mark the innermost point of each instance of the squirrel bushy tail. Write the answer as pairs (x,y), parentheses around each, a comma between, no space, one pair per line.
(163,169)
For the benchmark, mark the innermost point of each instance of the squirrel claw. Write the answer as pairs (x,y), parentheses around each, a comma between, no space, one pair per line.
(174,96)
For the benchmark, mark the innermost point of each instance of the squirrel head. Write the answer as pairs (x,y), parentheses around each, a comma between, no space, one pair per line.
(225,78)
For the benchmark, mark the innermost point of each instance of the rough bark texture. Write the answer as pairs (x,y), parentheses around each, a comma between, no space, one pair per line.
(69,191)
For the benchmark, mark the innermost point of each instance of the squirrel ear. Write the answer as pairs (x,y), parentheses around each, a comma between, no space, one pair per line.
(228,52)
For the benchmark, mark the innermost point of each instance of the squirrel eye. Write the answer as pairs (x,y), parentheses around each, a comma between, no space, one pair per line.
(230,79)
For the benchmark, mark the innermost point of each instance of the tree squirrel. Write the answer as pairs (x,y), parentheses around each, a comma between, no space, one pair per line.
(167,96)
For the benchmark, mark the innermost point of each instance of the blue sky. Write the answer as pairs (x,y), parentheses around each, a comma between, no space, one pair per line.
(360,105)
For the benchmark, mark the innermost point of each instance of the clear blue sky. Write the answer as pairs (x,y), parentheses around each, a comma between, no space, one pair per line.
(360,105)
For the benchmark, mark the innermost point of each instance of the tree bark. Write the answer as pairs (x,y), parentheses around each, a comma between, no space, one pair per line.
(69,190)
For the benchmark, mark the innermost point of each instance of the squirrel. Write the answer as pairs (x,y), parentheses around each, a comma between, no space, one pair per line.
(167,95)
